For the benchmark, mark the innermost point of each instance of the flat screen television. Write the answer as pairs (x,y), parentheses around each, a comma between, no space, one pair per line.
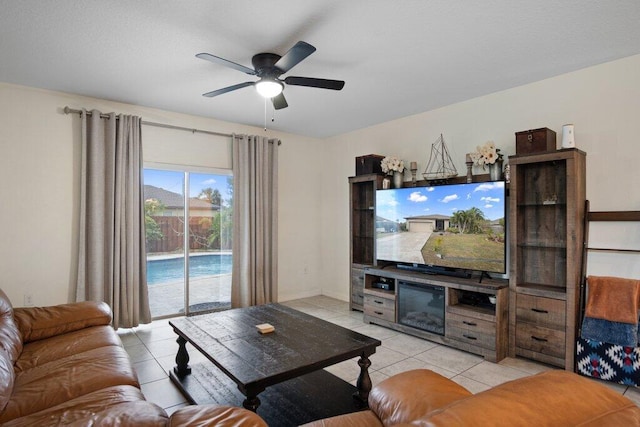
(449,229)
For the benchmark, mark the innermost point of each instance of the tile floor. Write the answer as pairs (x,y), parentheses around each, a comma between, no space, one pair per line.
(152,349)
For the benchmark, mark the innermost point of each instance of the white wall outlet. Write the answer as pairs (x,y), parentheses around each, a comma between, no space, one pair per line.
(28,300)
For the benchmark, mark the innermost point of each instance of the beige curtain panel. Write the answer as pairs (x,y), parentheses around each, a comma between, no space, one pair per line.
(112,258)
(255,221)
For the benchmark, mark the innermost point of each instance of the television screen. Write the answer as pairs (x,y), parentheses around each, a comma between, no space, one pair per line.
(455,226)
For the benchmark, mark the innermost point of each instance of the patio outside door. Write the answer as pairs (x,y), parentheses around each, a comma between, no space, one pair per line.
(188,262)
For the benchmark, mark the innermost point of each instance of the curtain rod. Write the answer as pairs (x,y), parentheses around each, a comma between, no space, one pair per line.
(68,110)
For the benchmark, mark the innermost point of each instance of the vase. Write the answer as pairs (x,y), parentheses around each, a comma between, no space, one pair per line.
(495,171)
(398,178)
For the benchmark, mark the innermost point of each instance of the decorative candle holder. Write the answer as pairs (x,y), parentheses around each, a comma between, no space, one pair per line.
(469,164)
(568,140)
(414,169)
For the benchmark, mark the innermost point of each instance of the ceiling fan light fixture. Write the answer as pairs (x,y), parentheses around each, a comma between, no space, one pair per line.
(269,88)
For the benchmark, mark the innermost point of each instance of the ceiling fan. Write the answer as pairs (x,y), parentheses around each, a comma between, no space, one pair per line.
(269,67)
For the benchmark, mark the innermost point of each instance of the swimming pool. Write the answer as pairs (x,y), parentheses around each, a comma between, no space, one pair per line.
(172,269)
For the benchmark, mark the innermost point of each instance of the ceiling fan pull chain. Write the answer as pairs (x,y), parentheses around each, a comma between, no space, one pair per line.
(265,114)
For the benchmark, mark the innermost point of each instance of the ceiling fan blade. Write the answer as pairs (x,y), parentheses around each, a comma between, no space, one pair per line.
(312,82)
(227,89)
(226,63)
(293,57)
(279,102)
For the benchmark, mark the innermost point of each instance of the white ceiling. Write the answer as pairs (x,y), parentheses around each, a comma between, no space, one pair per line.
(397,57)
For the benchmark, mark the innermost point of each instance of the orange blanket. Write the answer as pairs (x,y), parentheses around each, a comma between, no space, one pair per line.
(613,299)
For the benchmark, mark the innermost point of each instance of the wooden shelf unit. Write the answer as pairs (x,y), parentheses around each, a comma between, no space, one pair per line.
(362,224)
(546,211)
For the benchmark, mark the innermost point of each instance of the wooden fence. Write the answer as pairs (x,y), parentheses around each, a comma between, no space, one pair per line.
(172,228)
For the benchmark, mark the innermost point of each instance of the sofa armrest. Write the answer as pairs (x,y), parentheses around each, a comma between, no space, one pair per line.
(551,398)
(215,415)
(36,323)
(410,395)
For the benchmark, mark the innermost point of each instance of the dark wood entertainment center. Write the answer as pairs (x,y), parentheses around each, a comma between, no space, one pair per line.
(362,228)
(536,310)
(479,327)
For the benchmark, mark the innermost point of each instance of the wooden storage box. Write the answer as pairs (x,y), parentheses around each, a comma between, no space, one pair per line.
(368,164)
(535,141)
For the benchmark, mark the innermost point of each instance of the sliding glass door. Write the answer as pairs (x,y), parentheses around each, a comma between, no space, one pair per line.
(188,236)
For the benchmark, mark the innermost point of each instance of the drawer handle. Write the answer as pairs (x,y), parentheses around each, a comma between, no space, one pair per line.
(469,323)
(538,339)
(537,310)
(379,313)
(469,337)
(378,302)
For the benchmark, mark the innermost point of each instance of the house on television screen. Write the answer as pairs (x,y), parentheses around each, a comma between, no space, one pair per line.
(428,223)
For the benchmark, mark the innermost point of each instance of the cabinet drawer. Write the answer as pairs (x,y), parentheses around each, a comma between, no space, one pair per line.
(357,277)
(382,308)
(388,314)
(357,287)
(379,302)
(540,339)
(476,332)
(544,312)
(474,338)
(357,296)
(471,324)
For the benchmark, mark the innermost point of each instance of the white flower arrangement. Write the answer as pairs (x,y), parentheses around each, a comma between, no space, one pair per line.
(392,164)
(487,154)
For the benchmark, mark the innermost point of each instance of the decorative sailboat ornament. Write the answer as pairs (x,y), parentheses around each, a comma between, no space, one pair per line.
(440,167)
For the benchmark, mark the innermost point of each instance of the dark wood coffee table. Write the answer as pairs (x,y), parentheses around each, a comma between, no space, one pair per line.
(284,366)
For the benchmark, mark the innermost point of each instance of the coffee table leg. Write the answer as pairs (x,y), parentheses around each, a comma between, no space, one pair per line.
(251,403)
(364,381)
(182,358)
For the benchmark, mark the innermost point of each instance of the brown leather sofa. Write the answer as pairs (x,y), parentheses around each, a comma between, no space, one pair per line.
(554,398)
(66,365)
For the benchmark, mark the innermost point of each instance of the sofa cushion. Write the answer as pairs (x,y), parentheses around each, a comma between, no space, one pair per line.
(215,415)
(43,351)
(10,337)
(356,419)
(10,349)
(534,401)
(6,378)
(58,381)
(410,395)
(112,406)
(36,323)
